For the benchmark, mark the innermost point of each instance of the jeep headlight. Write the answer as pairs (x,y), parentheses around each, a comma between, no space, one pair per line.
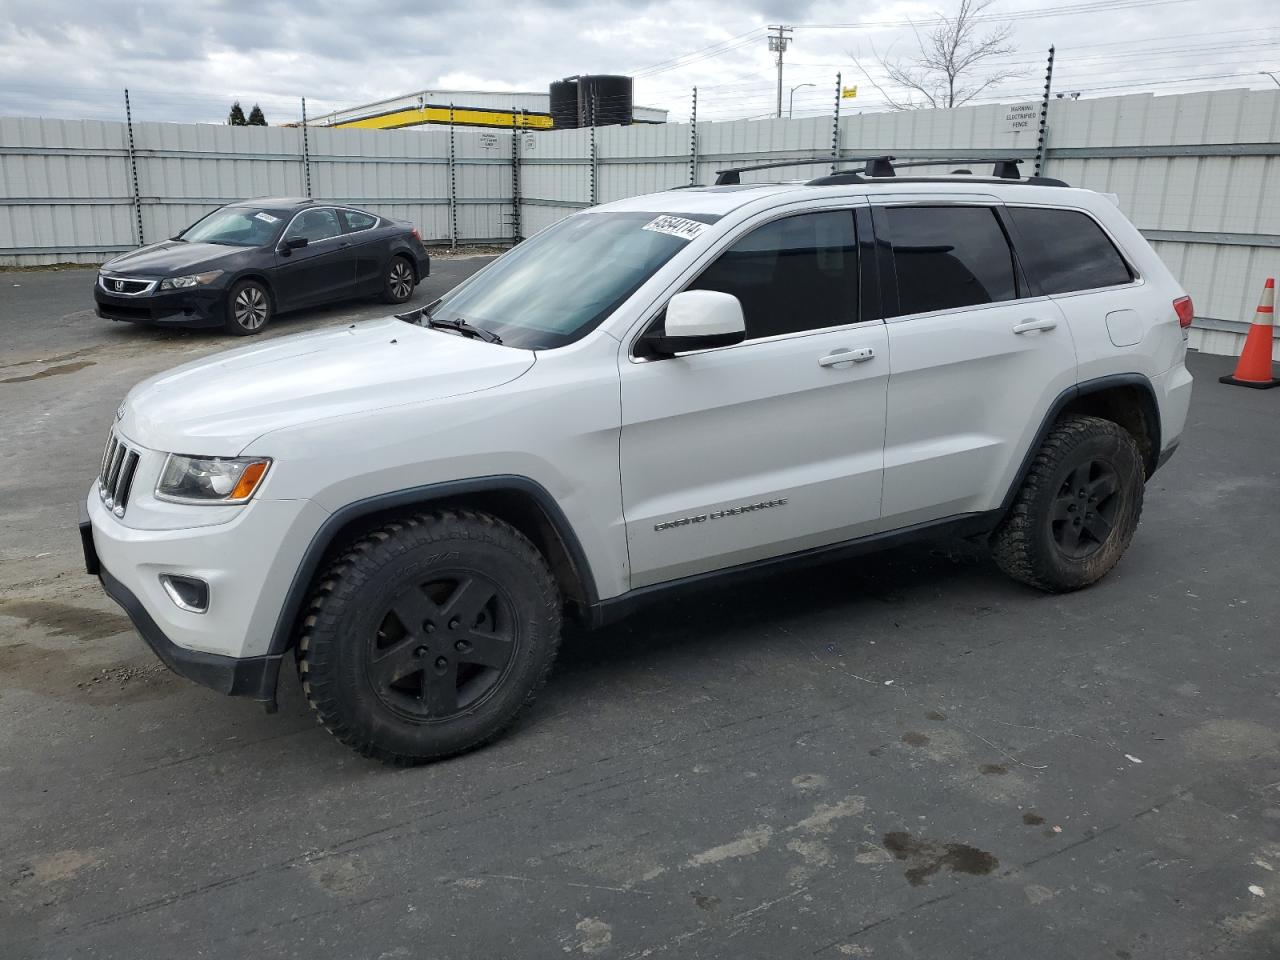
(210,479)
(193,280)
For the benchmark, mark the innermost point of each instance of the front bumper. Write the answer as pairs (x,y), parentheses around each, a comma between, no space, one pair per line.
(234,676)
(200,307)
(229,647)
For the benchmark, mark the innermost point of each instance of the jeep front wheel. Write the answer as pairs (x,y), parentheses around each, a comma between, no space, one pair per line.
(1077,509)
(429,636)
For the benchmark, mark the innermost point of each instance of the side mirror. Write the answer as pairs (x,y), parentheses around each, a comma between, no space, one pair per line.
(698,320)
(289,244)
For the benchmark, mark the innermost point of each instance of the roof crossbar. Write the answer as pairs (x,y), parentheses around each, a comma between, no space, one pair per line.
(732,176)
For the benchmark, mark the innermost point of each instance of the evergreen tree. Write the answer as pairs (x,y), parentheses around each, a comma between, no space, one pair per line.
(236,117)
(256,119)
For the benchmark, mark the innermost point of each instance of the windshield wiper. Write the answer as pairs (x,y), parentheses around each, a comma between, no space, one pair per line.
(423,317)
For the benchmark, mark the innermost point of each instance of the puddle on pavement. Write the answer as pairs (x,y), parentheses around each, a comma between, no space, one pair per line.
(73,670)
(65,619)
(51,371)
(926,857)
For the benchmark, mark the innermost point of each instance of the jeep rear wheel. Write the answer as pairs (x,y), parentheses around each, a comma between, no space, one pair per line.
(429,636)
(1077,509)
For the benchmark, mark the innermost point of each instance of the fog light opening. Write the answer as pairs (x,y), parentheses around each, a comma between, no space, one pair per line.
(187,593)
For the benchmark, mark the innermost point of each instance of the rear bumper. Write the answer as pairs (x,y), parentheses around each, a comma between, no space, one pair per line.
(253,677)
(205,308)
(1173,390)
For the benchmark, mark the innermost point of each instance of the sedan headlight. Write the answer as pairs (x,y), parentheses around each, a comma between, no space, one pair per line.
(210,479)
(194,280)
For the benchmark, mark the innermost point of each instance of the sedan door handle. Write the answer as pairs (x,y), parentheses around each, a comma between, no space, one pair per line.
(861,355)
(1026,326)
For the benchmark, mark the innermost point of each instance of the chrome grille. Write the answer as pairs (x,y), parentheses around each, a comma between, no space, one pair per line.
(115,478)
(124,286)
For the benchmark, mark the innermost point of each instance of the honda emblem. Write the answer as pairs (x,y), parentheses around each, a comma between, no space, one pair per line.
(119,284)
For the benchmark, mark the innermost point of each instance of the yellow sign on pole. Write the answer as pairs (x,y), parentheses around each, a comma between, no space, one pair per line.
(848,93)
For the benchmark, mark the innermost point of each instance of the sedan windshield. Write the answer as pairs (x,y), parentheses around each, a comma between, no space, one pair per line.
(235,226)
(559,285)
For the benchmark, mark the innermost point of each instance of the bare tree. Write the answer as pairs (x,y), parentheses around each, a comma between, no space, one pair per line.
(947,70)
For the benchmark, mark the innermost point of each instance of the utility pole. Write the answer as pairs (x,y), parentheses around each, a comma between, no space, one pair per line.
(778,41)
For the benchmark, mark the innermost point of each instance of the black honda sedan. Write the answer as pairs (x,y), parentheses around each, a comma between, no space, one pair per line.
(243,263)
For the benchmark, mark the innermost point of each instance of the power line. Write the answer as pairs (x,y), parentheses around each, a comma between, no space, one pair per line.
(714,50)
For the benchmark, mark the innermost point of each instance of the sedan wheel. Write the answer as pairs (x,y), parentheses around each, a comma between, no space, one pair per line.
(399,281)
(248,308)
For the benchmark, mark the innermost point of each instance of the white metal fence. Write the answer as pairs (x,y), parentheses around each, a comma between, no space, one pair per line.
(1198,173)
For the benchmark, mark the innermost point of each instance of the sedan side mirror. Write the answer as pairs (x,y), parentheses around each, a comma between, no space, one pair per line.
(289,244)
(698,320)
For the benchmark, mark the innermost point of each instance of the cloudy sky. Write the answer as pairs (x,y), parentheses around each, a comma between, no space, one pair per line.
(187,61)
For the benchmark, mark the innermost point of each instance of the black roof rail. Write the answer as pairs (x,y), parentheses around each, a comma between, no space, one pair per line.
(1006,168)
(732,174)
(883,167)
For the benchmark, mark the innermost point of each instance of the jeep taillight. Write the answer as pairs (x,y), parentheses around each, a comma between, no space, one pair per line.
(1185,311)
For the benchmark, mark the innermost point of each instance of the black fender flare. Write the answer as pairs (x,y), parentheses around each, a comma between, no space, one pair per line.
(1073,393)
(322,540)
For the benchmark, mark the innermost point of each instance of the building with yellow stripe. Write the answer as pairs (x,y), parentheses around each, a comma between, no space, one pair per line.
(467,108)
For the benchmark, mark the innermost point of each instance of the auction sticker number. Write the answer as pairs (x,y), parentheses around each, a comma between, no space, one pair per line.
(675,226)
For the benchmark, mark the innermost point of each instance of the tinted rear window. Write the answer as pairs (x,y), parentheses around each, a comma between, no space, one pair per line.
(1065,250)
(949,257)
(357,220)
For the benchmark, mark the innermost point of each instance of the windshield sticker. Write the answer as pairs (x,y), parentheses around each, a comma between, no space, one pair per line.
(266,217)
(675,227)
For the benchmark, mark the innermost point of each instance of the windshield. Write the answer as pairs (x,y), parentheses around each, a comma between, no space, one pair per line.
(234,226)
(559,285)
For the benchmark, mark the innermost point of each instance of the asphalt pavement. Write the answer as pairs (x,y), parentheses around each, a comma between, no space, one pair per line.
(903,755)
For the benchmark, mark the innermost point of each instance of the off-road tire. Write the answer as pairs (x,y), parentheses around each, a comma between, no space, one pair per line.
(1027,544)
(399,280)
(337,660)
(252,300)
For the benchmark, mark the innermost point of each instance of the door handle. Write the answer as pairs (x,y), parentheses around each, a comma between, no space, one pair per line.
(1028,325)
(861,355)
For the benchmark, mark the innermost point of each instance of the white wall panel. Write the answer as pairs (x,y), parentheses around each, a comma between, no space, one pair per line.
(1199,173)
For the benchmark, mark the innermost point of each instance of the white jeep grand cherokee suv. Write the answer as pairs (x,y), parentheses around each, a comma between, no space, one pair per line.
(707,381)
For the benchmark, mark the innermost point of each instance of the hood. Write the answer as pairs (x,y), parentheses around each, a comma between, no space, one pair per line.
(169,257)
(217,406)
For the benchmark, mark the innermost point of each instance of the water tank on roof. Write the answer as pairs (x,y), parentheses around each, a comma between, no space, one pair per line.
(604,98)
(608,97)
(564,104)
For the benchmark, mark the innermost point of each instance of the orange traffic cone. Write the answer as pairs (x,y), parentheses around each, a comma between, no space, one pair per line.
(1254,368)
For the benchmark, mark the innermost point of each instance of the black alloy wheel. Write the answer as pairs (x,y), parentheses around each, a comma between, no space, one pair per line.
(443,646)
(1084,511)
